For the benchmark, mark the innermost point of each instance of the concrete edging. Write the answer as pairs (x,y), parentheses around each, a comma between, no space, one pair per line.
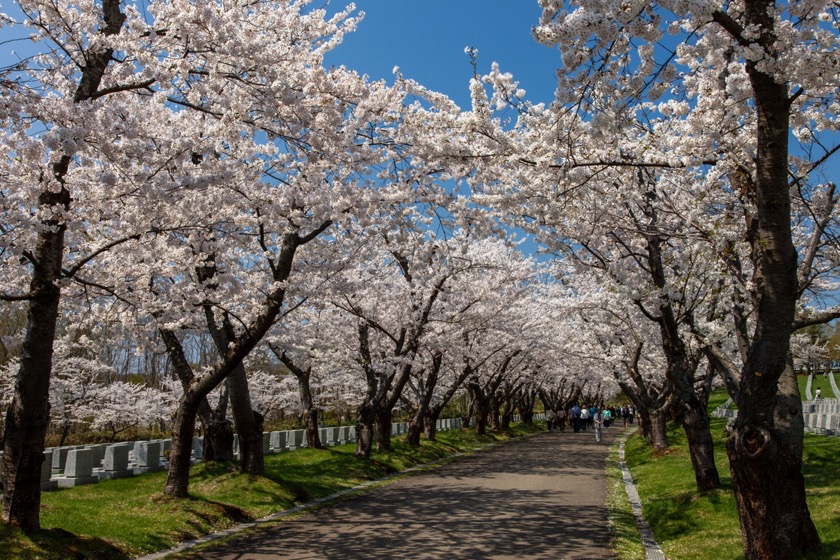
(652,549)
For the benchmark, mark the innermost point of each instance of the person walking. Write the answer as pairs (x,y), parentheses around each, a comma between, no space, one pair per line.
(598,423)
(584,418)
(561,419)
(549,418)
(576,418)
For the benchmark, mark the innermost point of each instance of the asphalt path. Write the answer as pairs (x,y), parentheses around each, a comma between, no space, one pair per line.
(539,497)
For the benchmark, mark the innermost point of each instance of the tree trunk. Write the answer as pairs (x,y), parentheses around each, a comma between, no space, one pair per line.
(764,447)
(29,413)
(526,413)
(507,418)
(28,417)
(493,410)
(178,478)
(364,431)
(198,389)
(310,412)
(764,450)
(480,406)
(382,429)
(430,425)
(695,422)
(248,423)
(526,407)
(415,428)
(658,429)
(766,467)
(218,439)
(65,432)
(310,422)
(481,412)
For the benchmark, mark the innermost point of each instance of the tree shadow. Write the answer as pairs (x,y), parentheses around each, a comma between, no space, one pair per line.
(55,543)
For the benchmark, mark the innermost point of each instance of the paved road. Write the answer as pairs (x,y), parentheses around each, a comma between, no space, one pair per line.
(539,497)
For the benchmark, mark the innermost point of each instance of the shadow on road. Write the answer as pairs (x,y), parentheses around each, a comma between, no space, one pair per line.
(541,497)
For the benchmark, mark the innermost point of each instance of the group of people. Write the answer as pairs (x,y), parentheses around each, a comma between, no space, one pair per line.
(588,417)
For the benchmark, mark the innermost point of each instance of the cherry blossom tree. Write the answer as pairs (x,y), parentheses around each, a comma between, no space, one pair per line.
(307,343)
(287,149)
(396,293)
(481,306)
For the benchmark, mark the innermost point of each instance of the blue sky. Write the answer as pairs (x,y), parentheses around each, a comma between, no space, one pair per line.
(426,39)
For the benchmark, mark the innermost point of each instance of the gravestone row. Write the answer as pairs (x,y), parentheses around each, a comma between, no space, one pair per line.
(820,417)
(69,466)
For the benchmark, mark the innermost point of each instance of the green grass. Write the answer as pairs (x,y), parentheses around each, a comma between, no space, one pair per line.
(120,519)
(625,540)
(693,526)
(824,384)
(718,398)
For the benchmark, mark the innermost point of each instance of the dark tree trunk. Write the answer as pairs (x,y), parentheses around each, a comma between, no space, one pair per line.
(310,423)
(480,420)
(382,429)
(29,415)
(65,432)
(766,467)
(657,419)
(430,425)
(494,414)
(218,430)
(526,408)
(364,431)
(695,422)
(527,417)
(681,368)
(218,439)
(507,418)
(178,477)
(248,423)
(416,423)
(480,406)
(415,429)
(421,410)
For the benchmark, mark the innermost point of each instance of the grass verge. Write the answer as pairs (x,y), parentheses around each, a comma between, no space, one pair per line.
(121,519)
(625,540)
(704,526)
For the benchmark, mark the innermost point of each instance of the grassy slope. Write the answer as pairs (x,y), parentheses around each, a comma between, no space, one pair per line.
(119,519)
(824,384)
